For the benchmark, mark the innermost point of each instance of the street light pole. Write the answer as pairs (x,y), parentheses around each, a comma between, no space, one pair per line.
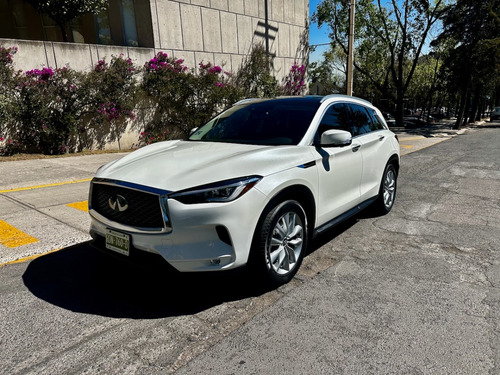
(350,57)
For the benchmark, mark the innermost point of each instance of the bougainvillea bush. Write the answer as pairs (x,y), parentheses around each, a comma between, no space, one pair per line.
(46,109)
(109,93)
(166,84)
(295,83)
(54,111)
(7,145)
(180,99)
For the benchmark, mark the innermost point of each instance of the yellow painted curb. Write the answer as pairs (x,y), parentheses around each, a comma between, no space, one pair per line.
(44,186)
(22,260)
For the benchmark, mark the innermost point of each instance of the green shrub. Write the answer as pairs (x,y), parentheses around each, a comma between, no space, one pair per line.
(55,111)
(178,99)
(254,75)
(45,110)
(109,94)
(7,145)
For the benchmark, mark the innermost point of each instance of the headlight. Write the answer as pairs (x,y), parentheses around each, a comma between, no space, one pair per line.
(224,191)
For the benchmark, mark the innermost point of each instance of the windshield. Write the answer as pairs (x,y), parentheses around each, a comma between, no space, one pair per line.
(272,122)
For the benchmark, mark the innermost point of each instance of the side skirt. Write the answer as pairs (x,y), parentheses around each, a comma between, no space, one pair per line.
(346,215)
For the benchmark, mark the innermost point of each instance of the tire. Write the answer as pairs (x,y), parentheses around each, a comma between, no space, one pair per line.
(280,242)
(387,191)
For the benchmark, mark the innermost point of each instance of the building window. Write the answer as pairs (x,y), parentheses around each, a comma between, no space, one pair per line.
(115,26)
(128,20)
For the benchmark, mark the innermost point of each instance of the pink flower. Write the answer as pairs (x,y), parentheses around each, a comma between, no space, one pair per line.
(215,69)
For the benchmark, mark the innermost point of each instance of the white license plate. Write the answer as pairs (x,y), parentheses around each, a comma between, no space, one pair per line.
(118,242)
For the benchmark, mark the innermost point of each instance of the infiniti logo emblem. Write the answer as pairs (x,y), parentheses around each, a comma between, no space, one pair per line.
(118,203)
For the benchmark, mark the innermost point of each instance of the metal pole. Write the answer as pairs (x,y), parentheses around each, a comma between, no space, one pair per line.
(350,57)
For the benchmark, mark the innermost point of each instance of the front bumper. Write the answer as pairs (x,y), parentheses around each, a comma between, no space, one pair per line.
(203,237)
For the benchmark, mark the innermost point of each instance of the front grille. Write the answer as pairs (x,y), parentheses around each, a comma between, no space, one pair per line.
(143,210)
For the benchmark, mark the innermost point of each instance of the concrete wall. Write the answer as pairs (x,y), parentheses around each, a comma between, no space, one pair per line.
(37,54)
(219,31)
(223,31)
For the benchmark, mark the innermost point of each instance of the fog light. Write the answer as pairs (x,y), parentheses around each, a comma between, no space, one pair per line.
(215,262)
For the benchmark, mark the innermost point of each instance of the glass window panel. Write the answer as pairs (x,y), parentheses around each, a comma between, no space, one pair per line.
(129,26)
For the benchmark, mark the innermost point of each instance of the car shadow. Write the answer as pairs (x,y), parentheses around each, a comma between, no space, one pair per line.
(82,279)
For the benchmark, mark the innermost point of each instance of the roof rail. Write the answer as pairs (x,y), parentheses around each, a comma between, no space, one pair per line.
(243,101)
(340,96)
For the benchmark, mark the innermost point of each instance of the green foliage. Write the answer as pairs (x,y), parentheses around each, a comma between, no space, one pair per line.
(147,138)
(179,99)
(471,67)
(329,73)
(254,75)
(47,106)
(55,111)
(6,95)
(109,92)
(389,39)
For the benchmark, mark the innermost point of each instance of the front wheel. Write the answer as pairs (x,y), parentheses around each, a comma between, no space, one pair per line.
(387,192)
(280,242)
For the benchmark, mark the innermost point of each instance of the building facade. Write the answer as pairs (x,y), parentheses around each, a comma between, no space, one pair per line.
(218,31)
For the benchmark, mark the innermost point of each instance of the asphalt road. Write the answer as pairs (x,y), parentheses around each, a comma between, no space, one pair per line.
(415,291)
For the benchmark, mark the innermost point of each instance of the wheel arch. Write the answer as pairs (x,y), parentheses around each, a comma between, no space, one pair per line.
(394,160)
(301,194)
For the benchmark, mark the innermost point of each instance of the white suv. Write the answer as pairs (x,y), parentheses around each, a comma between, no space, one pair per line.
(252,186)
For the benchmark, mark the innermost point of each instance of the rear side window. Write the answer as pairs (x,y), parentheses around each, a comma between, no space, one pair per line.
(376,122)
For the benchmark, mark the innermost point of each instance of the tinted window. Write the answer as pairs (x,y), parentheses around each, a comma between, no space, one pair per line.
(361,120)
(273,122)
(377,124)
(337,116)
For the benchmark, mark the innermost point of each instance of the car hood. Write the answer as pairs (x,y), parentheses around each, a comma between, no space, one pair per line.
(177,165)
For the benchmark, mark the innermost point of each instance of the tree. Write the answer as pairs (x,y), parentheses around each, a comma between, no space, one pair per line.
(388,40)
(472,29)
(64,11)
(327,72)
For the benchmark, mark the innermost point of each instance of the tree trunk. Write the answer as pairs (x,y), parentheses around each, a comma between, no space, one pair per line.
(461,109)
(64,33)
(475,105)
(399,110)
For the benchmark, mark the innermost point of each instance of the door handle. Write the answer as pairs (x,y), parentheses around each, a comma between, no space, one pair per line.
(381,138)
(355,148)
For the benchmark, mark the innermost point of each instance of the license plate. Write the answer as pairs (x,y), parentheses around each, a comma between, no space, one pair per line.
(118,242)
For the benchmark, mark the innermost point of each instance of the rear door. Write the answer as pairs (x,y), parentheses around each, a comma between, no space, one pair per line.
(373,138)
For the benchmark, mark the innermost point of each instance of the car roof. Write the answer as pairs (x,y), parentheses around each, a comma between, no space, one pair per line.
(307,99)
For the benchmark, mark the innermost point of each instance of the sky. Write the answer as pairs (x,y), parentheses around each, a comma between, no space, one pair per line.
(317,36)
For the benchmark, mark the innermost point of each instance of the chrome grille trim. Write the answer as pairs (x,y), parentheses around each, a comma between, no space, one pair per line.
(156,200)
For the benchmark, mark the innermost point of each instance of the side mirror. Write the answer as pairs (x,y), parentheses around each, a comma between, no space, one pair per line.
(335,138)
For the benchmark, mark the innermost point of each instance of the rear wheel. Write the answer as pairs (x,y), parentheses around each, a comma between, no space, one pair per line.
(387,192)
(280,242)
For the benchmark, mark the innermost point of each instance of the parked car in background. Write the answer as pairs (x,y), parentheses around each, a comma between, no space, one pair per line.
(495,114)
(250,187)
(389,119)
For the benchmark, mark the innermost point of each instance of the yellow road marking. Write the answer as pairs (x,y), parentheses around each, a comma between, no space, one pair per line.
(406,146)
(44,186)
(402,139)
(13,237)
(25,259)
(83,205)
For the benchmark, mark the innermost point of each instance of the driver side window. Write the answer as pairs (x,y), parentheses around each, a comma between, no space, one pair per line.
(337,116)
